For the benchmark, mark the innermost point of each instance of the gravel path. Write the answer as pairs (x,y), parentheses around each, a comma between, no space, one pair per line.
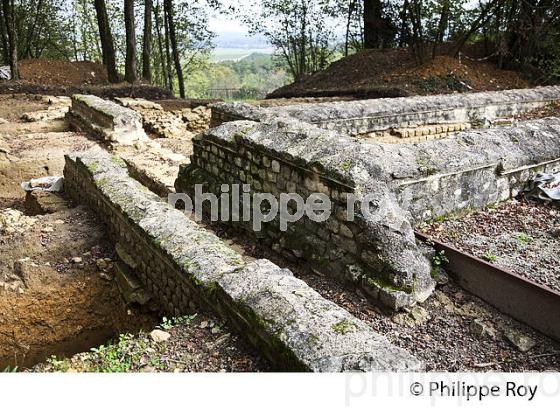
(523,237)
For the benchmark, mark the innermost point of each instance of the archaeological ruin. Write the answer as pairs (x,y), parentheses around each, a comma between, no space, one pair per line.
(386,167)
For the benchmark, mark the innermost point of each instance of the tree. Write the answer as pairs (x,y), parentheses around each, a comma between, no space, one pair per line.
(168,5)
(299,30)
(130,62)
(147,42)
(8,11)
(106,37)
(4,37)
(379,28)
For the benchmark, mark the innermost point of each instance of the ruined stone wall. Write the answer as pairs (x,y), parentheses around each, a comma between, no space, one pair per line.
(400,116)
(473,169)
(106,120)
(187,267)
(409,183)
(376,253)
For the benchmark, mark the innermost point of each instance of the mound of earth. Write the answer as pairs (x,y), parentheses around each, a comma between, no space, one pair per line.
(64,78)
(139,90)
(394,73)
(59,72)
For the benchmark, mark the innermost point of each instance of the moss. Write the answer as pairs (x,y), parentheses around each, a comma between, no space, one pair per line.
(382,284)
(425,166)
(92,167)
(313,340)
(343,327)
(345,166)
(118,161)
(101,182)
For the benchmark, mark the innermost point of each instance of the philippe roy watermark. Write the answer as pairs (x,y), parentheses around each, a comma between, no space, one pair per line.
(238,203)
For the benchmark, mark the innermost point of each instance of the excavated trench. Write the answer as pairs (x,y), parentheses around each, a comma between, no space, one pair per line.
(56,296)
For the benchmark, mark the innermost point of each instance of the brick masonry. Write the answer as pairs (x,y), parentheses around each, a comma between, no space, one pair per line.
(186,267)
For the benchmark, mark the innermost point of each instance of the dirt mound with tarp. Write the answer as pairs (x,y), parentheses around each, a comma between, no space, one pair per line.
(395,73)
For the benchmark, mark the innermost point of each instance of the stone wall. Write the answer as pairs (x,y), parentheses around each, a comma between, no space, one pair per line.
(409,183)
(106,120)
(375,252)
(364,117)
(177,122)
(187,267)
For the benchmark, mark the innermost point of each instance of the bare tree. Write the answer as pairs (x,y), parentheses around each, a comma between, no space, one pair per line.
(147,45)
(107,45)
(130,27)
(4,37)
(168,4)
(8,11)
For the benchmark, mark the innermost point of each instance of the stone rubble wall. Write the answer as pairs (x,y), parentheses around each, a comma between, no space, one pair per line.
(411,183)
(376,253)
(187,267)
(361,117)
(106,120)
(181,123)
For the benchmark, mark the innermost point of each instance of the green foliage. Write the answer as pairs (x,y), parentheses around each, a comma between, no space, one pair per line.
(489,256)
(440,259)
(169,323)
(249,78)
(524,238)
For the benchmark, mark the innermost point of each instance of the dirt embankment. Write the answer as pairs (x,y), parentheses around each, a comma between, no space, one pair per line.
(56,77)
(394,73)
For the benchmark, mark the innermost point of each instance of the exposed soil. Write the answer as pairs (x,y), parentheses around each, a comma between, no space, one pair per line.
(522,236)
(394,73)
(54,297)
(139,90)
(60,72)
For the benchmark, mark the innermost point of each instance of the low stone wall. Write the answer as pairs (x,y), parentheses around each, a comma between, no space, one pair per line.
(376,252)
(186,267)
(169,123)
(473,169)
(409,183)
(106,120)
(369,116)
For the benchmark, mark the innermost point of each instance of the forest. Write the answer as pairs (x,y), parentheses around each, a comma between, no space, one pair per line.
(167,42)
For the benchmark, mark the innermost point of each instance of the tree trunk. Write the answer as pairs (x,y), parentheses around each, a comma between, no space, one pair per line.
(442,25)
(162,56)
(4,37)
(403,29)
(10,23)
(130,60)
(483,17)
(373,18)
(167,52)
(147,48)
(107,46)
(168,4)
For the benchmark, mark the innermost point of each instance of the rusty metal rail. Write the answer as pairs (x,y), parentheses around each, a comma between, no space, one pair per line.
(520,298)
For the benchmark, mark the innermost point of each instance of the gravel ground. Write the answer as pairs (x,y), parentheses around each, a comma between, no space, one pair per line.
(452,331)
(522,236)
(196,343)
